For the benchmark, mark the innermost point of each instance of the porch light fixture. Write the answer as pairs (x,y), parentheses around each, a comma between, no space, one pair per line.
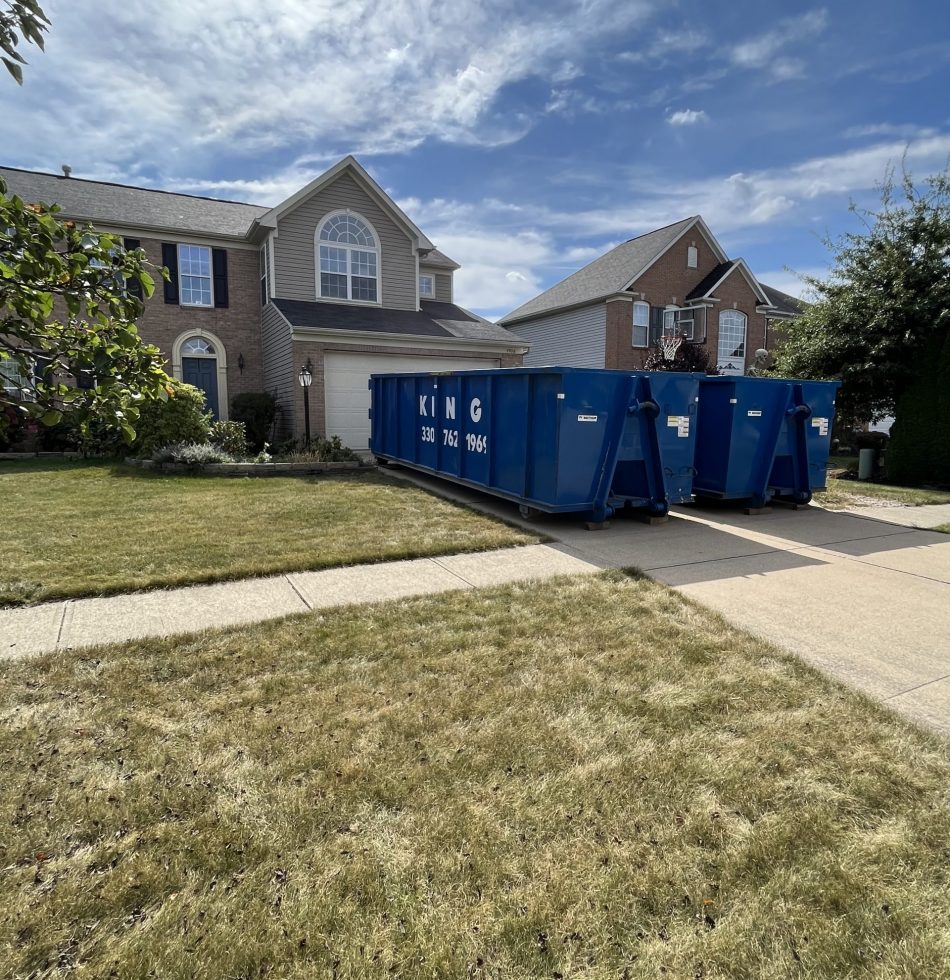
(241,363)
(306,379)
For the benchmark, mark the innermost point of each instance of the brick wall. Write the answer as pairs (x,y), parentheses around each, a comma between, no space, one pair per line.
(667,283)
(238,327)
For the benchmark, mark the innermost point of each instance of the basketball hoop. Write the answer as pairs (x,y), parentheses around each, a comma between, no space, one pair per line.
(669,345)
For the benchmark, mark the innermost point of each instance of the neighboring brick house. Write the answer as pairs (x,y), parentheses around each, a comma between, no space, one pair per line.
(336,276)
(675,280)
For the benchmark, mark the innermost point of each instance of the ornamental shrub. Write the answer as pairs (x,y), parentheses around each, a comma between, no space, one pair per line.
(230,437)
(191,454)
(256,409)
(182,418)
(325,451)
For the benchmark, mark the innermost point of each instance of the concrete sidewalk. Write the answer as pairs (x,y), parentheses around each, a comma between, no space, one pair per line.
(83,622)
(865,599)
(929,515)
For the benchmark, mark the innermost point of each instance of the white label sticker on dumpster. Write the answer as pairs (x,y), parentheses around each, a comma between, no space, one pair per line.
(754,413)
(821,425)
(682,430)
(673,421)
(586,418)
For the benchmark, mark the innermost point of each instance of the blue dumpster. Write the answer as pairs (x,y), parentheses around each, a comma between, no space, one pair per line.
(552,439)
(763,438)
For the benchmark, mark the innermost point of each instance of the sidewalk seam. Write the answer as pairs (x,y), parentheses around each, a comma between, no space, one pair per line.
(62,623)
(300,595)
(461,578)
(917,687)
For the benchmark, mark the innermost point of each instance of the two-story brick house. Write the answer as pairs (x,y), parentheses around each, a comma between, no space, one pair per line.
(336,277)
(675,280)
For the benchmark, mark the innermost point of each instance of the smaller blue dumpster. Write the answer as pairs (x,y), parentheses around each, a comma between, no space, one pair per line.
(555,439)
(763,438)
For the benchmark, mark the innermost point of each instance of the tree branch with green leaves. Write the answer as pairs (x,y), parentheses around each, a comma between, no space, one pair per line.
(21,21)
(67,311)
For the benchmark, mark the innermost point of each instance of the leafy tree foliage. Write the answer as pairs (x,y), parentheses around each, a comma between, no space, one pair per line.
(20,20)
(887,298)
(69,298)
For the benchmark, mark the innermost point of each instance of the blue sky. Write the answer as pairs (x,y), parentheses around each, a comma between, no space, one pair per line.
(524,138)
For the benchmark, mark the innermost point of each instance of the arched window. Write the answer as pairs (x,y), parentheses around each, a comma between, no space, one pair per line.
(197,347)
(732,337)
(347,258)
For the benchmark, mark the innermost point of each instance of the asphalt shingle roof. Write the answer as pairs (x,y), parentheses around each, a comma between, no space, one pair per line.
(602,277)
(439,259)
(703,287)
(782,301)
(433,320)
(136,207)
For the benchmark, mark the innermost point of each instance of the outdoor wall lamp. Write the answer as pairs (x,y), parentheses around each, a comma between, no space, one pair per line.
(241,363)
(306,379)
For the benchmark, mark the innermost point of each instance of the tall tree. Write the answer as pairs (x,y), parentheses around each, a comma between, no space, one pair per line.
(69,298)
(885,302)
(20,21)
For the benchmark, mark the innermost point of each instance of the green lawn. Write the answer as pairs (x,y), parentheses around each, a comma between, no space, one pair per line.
(74,529)
(852,493)
(586,778)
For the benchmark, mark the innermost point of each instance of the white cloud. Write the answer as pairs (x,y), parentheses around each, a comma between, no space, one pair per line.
(666,43)
(687,117)
(178,84)
(762,51)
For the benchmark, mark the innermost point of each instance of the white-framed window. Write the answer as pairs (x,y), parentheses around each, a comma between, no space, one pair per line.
(197,347)
(692,257)
(347,259)
(16,383)
(427,286)
(641,324)
(194,275)
(732,340)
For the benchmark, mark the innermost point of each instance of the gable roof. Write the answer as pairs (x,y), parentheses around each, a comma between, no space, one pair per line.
(613,272)
(349,164)
(431,320)
(784,304)
(722,272)
(438,259)
(132,207)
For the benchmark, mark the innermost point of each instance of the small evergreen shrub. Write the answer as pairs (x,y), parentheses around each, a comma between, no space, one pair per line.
(256,409)
(230,437)
(181,418)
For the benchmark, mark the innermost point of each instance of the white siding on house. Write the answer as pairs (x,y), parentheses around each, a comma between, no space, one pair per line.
(295,272)
(278,353)
(577,338)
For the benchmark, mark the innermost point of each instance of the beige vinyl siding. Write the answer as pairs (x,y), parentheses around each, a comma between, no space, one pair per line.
(278,353)
(294,259)
(443,282)
(577,338)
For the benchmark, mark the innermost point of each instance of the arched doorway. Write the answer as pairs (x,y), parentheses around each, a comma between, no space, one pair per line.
(198,358)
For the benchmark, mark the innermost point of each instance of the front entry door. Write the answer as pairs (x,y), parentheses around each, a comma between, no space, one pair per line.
(202,372)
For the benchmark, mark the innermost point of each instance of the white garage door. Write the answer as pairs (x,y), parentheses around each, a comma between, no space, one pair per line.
(346,379)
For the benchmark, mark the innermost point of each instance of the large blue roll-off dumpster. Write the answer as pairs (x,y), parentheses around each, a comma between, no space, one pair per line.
(763,438)
(552,439)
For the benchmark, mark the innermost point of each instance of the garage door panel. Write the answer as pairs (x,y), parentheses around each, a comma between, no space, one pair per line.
(346,386)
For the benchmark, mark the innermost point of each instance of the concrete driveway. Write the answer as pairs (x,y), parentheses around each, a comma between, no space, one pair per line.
(864,599)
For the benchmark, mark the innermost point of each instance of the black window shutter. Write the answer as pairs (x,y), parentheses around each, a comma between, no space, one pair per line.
(219,269)
(132,285)
(170,261)
(656,323)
